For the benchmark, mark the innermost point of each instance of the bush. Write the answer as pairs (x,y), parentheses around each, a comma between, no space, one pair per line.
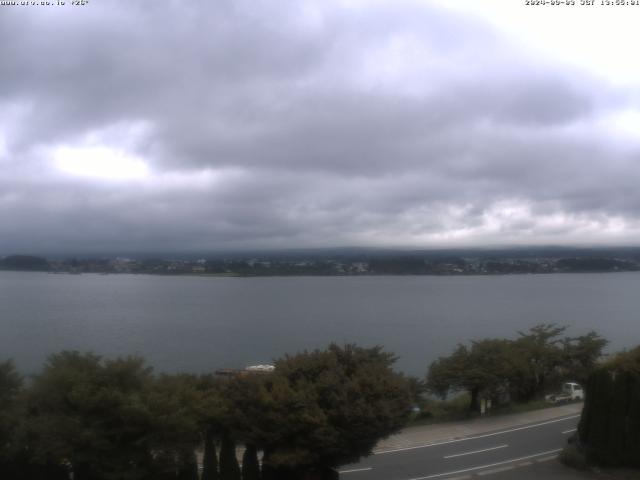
(455,408)
(573,457)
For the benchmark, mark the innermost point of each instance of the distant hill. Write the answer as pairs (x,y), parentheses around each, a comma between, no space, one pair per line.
(595,265)
(24,262)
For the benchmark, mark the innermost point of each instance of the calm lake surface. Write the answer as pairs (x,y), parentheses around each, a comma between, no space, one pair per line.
(201,323)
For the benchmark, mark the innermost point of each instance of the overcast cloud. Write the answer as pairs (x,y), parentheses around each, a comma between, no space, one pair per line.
(176,125)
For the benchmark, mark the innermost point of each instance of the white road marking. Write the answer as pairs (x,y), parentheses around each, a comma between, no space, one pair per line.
(496,470)
(480,467)
(546,459)
(355,470)
(476,451)
(477,436)
(570,430)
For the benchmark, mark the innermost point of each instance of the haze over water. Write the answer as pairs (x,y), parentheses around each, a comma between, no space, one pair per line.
(198,324)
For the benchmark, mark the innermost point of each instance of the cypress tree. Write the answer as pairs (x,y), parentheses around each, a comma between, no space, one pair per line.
(618,422)
(210,459)
(250,464)
(632,448)
(229,468)
(605,386)
(585,419)
(609,428)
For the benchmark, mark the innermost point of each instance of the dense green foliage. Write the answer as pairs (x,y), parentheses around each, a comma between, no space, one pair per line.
(346,400)
(10,385)
(479,369)
(115,420)
(521,369)
(321,408)
(209,458)
(609,429)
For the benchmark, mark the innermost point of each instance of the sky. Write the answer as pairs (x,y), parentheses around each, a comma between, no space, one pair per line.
(243,124)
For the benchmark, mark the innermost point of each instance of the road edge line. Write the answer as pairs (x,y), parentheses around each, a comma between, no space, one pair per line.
(465,439)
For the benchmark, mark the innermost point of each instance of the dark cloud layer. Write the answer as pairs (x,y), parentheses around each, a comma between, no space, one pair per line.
(252,124)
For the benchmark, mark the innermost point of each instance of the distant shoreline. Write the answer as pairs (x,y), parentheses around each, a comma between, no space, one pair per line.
(471,263)
(323,275)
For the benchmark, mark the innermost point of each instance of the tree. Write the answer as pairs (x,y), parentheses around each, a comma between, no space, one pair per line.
(525,367)
(581,354)
(210,459)
(250,464)
(17,460)
(320,409)
(93,414)
(211,410)
(174,403)
(10,386)
(113,419)
(538,354)
(609,428)
(10,418)
(483,369)
(417,388)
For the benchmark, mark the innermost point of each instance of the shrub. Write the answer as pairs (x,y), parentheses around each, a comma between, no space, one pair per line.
(573,457)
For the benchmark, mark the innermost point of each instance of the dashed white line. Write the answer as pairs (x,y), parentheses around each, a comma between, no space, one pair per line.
(355,470)
(476,451)
(480,467)
(477,436)
(569,431)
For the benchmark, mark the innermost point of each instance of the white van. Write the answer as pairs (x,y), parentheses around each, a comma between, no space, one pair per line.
(570,391)
(574,390)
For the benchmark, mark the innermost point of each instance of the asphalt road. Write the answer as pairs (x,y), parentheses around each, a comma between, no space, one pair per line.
(481,454)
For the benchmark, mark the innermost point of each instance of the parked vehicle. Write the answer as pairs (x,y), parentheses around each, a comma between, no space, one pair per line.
(570,392)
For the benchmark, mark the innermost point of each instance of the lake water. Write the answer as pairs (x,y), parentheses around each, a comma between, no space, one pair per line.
(202,323)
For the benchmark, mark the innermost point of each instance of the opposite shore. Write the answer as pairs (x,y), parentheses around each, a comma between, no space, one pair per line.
(344,263)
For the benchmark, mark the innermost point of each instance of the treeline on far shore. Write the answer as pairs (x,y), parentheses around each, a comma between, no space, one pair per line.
(401,264)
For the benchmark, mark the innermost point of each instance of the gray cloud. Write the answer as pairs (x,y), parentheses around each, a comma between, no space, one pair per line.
(301,124)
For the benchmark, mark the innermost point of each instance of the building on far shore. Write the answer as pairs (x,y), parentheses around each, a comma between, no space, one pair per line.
(243,372)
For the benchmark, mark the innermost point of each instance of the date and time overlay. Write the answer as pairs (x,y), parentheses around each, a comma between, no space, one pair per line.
(584,3)
(45,3)
(566,3)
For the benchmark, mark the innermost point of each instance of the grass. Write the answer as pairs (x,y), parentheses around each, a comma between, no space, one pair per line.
(457,408)
(435,411)
(521,407)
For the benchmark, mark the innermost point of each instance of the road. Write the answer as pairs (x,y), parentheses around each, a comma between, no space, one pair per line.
(480,454)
